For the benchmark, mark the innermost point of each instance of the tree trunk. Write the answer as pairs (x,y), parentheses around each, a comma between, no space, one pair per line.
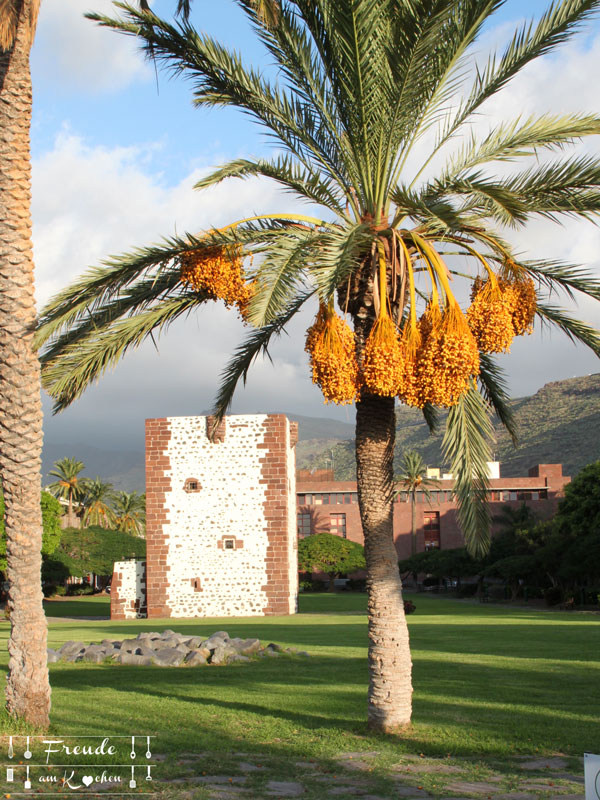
(28,690)
(413,525)
(390,687)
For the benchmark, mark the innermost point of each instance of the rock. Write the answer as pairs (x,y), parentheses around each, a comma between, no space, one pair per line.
(272,653)
(71,648)
(129,645)
(193,642)
(53,656)
(274,648)
(133,660)
(248,646)
(94,656)
(167,657)
(219,655)
(304,653)
(220,635)
(195,659)
(166,633)
(236,657)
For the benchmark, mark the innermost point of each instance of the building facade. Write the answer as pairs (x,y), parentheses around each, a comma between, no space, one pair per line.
(220,521)
(325,505)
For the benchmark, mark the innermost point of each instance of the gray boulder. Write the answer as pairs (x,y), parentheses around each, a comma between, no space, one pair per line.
(133,660)
(248,646)
(238,658)
(195,659)
(168,657)
(71,648)
(194,642)
(53,656)
(95,655)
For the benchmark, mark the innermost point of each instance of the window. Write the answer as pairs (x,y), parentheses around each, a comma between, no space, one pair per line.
(431,527)
(337,524)
(229,544)
(192,485)
(304,527)
(347,498)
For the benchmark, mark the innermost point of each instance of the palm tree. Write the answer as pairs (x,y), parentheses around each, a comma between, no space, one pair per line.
(96,499)
(361,83)
(28,688)
(413,477)
(69,485)
(130,512)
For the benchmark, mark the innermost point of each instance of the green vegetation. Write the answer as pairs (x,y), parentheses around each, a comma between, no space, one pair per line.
(95,550)
(560,424)
(325,552)
(51,512)
(490,683)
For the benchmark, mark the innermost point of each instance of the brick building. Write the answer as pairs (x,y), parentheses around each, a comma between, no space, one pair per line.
(220,521)
(325,505)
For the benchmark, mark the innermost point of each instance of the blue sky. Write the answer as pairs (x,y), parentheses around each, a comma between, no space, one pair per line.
(116,151)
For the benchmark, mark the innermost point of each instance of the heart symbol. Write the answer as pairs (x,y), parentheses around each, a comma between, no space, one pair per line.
(87,779)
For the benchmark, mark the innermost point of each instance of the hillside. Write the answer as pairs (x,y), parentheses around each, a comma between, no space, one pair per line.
(558,424)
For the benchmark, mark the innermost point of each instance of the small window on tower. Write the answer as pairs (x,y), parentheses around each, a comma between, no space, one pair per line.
(229,544)
(192,485)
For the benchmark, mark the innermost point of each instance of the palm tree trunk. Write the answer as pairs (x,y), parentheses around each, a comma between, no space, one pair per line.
(390,666)
(28,690)
(413,525)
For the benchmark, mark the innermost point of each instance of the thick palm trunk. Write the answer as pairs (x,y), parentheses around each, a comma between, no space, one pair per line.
(390,666)
(28,690)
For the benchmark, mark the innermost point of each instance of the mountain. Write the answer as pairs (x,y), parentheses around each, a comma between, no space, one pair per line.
(558,424)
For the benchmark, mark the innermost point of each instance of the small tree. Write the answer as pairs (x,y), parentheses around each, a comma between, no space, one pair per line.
(413,477)
(51,530)
(130,511)
(331,554)
(96,504)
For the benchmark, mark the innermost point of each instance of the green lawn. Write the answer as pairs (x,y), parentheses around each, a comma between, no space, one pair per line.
(489,682)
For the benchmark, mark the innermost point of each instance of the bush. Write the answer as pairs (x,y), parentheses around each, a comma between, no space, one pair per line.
(409,608)
(553,596)
(60,591)
(78,589)
(467,590)
(357,584)
(305,586)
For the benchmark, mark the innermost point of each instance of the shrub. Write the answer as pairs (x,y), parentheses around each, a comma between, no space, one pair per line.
(553,595)
(409,607)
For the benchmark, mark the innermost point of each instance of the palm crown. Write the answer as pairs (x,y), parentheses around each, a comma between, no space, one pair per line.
(360,83)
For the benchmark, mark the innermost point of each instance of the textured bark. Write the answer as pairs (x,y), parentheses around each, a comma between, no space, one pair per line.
(28,690)
(390,666)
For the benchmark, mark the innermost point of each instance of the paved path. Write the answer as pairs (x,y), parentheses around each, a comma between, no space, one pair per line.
(357,776)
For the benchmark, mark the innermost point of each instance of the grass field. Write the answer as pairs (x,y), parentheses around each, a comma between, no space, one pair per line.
(490,682)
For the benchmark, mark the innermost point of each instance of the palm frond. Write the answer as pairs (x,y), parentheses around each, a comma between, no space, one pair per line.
(569,278)
(466,447)
(301,182)
(560,21)
(256,343)
(67,376)
(574,329)
(495,392)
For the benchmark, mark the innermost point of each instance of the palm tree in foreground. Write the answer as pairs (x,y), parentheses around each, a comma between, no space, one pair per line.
(413,478)
(28,689)
(361,83)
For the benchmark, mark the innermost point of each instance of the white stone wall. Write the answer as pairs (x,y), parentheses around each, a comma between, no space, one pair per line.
(132,587)
(292,524)
(205,579)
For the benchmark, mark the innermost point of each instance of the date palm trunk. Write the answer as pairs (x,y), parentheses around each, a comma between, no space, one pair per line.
(390,666)
(28,690)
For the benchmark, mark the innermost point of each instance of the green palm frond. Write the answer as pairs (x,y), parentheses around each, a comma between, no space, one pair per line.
(495,392)
(559,275)
(301,182)
(574,329)
(83,361)
(560,21)
(466,447)
(257,342)
(521,138)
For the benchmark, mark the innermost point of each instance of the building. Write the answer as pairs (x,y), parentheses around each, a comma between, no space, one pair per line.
(325,505)
(220,521)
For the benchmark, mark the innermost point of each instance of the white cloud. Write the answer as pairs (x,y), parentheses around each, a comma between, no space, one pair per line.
(74,53)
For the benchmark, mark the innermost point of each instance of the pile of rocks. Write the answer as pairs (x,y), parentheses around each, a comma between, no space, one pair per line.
(170,649)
